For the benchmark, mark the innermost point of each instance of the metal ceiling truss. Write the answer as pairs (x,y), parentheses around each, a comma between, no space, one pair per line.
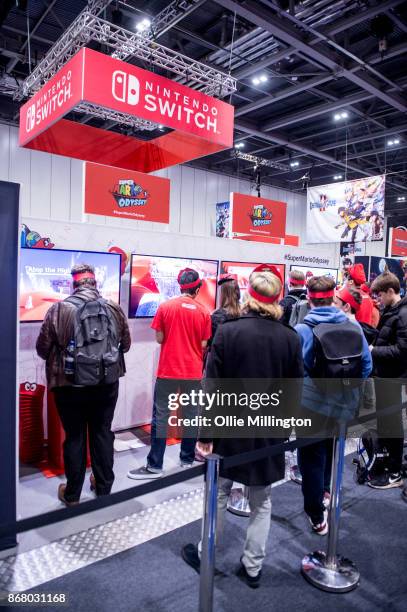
(260,161)
(118,118)
(88,26)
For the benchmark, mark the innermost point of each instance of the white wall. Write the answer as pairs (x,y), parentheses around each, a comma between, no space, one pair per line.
(51,188)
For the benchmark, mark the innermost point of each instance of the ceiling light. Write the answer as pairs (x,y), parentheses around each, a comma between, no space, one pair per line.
(401,199)
(344,115)
(294,164)
(340,116)
(239,145)
(263,78)
(143,25)
(396,141)
(337,117)
(256,81)
(338,177)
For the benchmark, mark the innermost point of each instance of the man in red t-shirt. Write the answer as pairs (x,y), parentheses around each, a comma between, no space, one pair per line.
(183,327)
(356,278)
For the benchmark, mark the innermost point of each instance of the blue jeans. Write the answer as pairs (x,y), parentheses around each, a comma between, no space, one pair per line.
(159,424)
(315,463)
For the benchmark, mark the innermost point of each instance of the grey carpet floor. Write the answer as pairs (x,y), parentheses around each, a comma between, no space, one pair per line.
(153,578)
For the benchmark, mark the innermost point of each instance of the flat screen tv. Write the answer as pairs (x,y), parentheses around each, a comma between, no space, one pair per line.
(45,278)
(243,269)
(310,271)
(153,280)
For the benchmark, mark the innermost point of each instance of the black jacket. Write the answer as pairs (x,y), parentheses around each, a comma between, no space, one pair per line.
(261,348)
(390,350)
(219,316)
(288,302)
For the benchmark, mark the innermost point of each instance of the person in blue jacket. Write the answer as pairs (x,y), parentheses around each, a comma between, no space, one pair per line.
(315,459)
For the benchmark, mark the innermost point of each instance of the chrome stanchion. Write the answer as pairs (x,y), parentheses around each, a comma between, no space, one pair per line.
(209,534)
(238,502)
(329,571)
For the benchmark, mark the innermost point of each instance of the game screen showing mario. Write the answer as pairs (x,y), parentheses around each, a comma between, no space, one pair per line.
(309,271)
(153,280)
(242,270)
(45,278)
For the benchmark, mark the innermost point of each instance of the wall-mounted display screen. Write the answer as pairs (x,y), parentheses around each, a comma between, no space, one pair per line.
(45,278)
(153,280)
(243,269)
(310,271)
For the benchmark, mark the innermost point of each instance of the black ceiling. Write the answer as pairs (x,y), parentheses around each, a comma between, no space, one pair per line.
(320,57)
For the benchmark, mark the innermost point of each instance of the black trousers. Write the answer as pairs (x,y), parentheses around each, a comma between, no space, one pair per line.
(390,426)
(83,411)
(315,463)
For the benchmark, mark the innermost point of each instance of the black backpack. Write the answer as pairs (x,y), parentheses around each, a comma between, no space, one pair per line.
(299,310)
(96,349)
(338,351)
(371,456)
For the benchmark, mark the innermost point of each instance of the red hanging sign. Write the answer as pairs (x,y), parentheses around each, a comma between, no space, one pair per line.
(262,219)
(399,242)
(114,192)
(201,124)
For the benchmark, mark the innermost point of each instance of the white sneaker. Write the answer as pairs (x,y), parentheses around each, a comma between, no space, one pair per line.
(144,473)
(320,528)
(183,464)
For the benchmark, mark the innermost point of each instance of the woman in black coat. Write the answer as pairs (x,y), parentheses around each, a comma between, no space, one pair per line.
(255,346)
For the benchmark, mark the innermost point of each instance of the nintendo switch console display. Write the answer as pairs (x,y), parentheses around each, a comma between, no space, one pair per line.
(310,271)
(45,278)
(153,280)
(243,271)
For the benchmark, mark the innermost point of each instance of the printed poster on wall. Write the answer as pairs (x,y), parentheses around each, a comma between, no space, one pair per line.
(114,192)
(351,211)
(256,217)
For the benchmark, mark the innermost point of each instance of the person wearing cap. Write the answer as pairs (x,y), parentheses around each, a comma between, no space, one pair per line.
(356,278)
(296,289)
(183,327)
(315,460)
(229,302)
(83,410)
(254,346)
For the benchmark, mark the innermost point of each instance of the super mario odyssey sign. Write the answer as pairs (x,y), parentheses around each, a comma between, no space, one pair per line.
(201,124)
(259,218)
(125,194)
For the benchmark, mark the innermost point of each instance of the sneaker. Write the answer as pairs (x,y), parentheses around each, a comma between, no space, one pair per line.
(61,496)
(327,500)
(320,528)
(386,481)
(252,581)
(144,473)
(184,464)
(404,494)
(190,555)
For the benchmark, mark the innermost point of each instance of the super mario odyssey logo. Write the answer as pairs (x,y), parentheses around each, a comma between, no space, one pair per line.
(260,215)
(127,193)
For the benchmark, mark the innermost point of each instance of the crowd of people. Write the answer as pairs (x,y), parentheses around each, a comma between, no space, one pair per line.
(316,333)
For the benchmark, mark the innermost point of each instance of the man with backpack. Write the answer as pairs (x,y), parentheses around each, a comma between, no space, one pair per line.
(334,350)
(294,304)
(83,339)
(390,362)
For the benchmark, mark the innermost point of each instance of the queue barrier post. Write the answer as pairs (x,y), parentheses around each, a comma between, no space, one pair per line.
(330,571)
(207,570)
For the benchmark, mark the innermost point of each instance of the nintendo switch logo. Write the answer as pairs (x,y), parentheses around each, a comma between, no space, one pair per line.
(125,87)
(30,118)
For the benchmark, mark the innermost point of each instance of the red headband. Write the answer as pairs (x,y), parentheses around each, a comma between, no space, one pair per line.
(81,275)
(346,296)
(262,298)
(188,285)
(321,294)
(296,281)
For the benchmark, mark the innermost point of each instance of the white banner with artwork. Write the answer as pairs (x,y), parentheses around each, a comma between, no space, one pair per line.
(351,211)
